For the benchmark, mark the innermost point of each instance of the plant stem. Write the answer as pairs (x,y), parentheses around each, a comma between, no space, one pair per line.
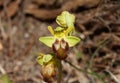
(77,67)
(96,51)
(59,71)
(86,72)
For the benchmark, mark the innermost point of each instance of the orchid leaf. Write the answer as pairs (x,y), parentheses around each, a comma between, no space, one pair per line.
(72,40)
(47,40)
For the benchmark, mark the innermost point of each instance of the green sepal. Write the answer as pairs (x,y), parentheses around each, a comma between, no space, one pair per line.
(40,59)
(47,58)
(43,59)
(72,40)
(49,40)
(65,19)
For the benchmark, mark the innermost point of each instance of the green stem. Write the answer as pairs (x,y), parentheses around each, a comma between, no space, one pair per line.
(77,67)
(96,51)
(59,71)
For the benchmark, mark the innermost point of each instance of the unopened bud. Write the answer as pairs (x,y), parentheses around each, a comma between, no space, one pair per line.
(48,71)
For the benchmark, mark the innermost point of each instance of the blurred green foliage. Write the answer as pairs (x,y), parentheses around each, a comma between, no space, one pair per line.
(5,79)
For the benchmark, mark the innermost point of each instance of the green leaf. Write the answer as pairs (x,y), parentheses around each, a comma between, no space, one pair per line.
(47,58)
(47,40)
(5,79)
(72,40)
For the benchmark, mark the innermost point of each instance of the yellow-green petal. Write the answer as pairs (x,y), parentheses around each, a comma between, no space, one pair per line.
(51,30)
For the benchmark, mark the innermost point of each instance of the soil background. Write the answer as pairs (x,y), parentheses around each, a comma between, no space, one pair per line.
(97,24)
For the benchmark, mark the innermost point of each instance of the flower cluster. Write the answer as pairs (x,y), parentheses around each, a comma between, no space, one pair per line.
(60,41)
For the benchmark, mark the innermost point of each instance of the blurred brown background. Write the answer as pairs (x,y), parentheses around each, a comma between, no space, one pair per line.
(22,22)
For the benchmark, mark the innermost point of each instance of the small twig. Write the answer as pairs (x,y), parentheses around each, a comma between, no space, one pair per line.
(2,30)
(2,70)
(113,76)
(108,27)
(9,28)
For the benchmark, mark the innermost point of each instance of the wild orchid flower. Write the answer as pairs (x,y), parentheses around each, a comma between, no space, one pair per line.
(60,41)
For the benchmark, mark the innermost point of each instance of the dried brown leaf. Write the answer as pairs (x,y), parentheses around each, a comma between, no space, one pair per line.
(12,8)
(44,14)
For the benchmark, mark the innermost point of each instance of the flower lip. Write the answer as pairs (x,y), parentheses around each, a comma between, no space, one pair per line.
(64,44)
(60,47)
(56,45)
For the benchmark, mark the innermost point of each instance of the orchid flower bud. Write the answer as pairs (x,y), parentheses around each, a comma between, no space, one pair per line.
(66,20)
(48,71)
(48,64)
